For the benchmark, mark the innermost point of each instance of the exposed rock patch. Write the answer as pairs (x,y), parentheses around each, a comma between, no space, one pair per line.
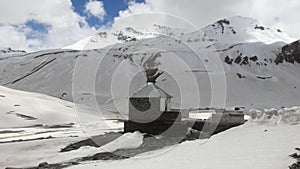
(290,53)
(253,58)
(228,60)
(296,156)
(240,76)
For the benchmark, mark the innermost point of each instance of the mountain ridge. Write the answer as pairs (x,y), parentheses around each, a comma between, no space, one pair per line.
(235,29)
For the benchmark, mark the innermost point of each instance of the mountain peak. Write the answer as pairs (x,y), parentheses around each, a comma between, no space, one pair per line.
(239,29)
(113,36)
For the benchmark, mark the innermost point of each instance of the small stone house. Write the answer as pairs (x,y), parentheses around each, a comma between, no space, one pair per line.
(150,112)
(148,103)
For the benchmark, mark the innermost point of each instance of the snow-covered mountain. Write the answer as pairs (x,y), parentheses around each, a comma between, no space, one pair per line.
(7,52)
(245,57)
(242,29)
(105,38)
(230,30)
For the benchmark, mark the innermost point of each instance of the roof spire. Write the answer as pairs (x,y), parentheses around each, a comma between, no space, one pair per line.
(151,68)
(152,75)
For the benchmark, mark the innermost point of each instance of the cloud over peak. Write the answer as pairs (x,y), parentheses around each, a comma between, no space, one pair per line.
(96,9)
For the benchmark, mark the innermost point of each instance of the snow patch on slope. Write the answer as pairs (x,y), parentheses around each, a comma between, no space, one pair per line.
(276,116)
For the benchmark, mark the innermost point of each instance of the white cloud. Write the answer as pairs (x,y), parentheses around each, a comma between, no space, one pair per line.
(65,26)
(277,13)
(96,9)
(16,38)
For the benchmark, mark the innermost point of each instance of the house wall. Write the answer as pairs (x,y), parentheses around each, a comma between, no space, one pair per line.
(163,104)
(227,118)
(144,110)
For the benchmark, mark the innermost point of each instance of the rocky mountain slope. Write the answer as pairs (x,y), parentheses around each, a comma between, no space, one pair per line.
(289,53)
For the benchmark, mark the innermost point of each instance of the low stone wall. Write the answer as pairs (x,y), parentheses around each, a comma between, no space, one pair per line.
(174,129)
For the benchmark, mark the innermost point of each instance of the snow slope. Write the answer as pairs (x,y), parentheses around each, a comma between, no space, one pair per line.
(25,114)
(75,75)
(20,109)
(34,127)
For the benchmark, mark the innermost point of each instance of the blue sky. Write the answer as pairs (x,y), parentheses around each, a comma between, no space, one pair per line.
(112,8)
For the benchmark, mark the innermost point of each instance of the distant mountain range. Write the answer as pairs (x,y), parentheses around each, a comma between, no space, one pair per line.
(231,30)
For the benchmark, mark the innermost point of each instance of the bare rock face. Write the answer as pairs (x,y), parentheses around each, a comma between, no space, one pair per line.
(43,164)
(290,53)
(228,60)
(296,156)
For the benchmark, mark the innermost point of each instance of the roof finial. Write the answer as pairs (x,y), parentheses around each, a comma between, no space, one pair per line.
(152,74)
(151,68)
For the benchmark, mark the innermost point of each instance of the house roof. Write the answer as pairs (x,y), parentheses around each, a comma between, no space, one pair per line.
(150,90)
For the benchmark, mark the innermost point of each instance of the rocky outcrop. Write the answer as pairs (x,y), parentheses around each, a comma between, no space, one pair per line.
(296,156)
(228,60)
(290,53)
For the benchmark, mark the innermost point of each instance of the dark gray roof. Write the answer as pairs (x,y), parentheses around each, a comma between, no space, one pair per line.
(150,90)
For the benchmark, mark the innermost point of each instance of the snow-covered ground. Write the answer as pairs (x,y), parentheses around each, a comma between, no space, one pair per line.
(34,127)
(26,154)
(265,142)
(248,146)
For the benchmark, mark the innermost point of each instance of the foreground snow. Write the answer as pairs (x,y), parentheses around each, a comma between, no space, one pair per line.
(126,141)
(34,127)
(265,142)
(248,146)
